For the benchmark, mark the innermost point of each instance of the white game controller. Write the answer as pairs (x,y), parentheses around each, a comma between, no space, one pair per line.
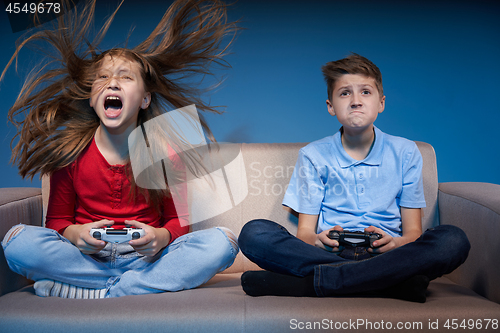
(117,235)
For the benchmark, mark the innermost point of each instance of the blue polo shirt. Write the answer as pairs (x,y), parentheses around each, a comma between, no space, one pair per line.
(356,194)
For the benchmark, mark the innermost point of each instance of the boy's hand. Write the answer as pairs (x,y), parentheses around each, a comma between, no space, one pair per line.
(384,244)
(324,242)
(154,240)
(79,235)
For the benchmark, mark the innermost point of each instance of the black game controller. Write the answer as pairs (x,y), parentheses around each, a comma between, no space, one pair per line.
(354,238)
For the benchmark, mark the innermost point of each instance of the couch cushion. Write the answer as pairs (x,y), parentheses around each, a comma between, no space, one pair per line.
(221,306)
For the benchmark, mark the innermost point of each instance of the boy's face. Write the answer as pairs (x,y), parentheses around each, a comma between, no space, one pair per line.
(118,94)
(356,102)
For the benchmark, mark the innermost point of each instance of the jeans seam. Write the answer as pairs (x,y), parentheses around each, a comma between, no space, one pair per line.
(110,283)
(317,281)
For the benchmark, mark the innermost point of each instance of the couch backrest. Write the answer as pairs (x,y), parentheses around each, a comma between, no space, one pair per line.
(257,180)
(268,168)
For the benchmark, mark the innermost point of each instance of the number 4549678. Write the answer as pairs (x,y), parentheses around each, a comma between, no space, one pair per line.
(478,324)
(32,8)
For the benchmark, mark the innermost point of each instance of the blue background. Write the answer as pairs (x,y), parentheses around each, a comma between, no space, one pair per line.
(439,60)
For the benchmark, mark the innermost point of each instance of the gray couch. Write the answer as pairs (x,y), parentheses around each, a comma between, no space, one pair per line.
(469,296)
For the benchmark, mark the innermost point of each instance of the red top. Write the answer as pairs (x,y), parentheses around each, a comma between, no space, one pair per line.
(90,190)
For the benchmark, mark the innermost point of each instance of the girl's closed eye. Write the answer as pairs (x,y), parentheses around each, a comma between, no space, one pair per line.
(102,76)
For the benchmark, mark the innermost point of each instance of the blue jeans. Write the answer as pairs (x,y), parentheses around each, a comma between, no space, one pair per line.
(437,251)
(189,261)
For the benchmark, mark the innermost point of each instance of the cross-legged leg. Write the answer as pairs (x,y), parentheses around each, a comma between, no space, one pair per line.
(188,262)
(436,252)
(41,253)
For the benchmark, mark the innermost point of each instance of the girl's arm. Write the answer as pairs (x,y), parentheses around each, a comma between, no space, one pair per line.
(62,198)
(156,239)
(176,215)
(176,208)
(61,213)
(79,235)
(175,221)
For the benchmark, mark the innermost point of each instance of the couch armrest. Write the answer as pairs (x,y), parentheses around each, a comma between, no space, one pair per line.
(475,208)
(17,205)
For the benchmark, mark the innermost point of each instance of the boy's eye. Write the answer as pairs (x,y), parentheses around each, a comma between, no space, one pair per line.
(344,93)
(366,92)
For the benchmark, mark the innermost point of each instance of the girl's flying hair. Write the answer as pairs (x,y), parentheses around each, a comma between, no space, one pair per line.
(56,121)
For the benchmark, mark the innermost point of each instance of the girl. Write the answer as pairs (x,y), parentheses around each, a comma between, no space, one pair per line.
(77,119)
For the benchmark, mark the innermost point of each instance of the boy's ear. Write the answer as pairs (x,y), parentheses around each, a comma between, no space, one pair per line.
(146,101)
(329,105)
(382,104)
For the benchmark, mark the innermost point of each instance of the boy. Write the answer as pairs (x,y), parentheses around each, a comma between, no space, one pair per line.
(360,179)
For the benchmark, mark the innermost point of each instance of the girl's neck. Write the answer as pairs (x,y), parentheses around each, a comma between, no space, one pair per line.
(113,146)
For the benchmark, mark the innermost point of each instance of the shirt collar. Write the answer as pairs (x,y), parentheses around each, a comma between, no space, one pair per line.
(373,158)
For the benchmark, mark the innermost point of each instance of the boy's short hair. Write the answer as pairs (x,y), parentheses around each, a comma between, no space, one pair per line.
(353,64)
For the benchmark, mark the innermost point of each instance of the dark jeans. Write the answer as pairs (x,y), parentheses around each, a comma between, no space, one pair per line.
(437,251)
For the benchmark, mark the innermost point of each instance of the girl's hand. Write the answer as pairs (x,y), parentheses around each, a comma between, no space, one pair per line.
(384,244)
(324,242)
(154,240)
(79,235)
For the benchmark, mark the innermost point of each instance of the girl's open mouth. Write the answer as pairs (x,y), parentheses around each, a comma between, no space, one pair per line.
(112,106)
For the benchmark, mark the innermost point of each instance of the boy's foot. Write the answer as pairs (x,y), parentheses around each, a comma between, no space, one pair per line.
(265,283)
(49,288)
(413,289)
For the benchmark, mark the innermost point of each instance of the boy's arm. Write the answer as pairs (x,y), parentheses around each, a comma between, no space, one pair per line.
(411,219)
(306,232)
